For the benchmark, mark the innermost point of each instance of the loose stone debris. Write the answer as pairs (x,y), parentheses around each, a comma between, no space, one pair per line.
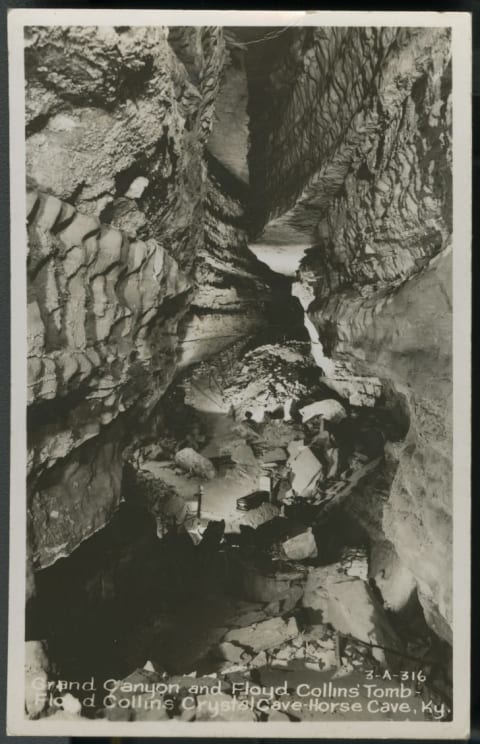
(257,595)
(194,464)
(262,636)
(301,546)
(330,410)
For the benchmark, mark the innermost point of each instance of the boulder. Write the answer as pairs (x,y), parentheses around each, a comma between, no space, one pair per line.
(330,410)
(265,635)
(358,390)
(71,705)
(36,677)
(350,607)
(301,546)
(231,652)
(195,464)
(394,580)
(306,469)
(260,660)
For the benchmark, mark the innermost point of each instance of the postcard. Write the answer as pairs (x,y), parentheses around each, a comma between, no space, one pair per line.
(240,249)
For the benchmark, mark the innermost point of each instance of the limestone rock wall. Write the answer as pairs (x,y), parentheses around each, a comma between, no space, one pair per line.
(406,338)
(107,107)
(354,154)
(134,243)
(102,331)
(234,291)
(229,142)
(344,111)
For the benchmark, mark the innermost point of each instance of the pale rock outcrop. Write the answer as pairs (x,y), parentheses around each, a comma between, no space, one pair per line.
(264,635)
(395,582)
(37,668)
(350,607)
(330,410)
(102,331)
(407,339)
(306,469)
(302,546)
(194,463)
(229,140)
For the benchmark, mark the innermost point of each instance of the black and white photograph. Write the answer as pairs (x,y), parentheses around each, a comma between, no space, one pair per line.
(240,373)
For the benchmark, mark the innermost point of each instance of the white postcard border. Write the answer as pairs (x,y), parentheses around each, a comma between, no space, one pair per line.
(17,723)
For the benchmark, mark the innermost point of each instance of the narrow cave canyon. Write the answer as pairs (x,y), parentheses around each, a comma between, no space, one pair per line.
(239,330)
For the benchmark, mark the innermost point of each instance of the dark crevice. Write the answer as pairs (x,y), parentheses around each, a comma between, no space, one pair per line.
(62,222)
(36,124)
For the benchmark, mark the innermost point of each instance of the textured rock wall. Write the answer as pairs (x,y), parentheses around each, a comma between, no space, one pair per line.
(136,248)
(108,106)
(229,141)
(356,164)
(103,318)
(333,102)
(234,292)
(407,339)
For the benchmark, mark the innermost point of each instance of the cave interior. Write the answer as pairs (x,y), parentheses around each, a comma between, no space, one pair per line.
(238,244)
